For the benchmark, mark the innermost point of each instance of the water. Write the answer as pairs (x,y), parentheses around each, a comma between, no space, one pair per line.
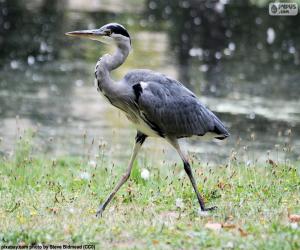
(242,63)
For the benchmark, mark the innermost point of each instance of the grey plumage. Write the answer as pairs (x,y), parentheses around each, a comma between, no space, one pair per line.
(156,104)
(174,109)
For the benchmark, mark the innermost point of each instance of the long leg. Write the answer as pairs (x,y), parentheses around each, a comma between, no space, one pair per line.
(139,140)
(188,171)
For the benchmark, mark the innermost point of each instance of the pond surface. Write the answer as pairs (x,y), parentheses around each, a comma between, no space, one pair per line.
(242,63)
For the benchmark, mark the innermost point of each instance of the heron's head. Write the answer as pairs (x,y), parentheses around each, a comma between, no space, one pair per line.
(109,33)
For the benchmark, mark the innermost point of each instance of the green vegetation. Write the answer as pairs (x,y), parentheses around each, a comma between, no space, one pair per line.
(54,201)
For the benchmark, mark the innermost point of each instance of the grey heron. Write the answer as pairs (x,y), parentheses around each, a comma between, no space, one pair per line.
(156,104)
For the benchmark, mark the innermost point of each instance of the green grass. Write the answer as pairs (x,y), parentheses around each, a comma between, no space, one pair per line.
(46,201)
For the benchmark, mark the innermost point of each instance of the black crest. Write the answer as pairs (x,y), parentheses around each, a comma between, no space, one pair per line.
(118,29)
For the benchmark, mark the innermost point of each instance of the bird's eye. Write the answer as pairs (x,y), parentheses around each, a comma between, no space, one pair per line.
(108,32)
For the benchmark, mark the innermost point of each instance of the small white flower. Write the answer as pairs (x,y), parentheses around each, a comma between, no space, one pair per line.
(229,244)
(71,210)
(294,225)
(179,203)
(48,237)
(84,176)
(202,213)
(145,174)
(92,163)
(181,174)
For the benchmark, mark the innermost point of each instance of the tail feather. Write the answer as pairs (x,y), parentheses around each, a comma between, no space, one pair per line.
(220,130)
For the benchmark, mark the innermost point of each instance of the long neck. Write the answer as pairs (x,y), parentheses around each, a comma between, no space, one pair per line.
(118,58)
(110,62)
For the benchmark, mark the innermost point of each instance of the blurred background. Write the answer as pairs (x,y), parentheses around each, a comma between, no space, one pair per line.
(243,63)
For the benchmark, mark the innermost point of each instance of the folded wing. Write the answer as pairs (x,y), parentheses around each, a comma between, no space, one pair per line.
(174,110)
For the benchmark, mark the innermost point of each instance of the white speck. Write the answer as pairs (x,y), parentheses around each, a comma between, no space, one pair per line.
(143,85)
(228,33)
(294,225)
(6,25)
(197,21)
(63,68)
(218,55)
(145,174)
(30,60)
(196,52)
(44,47)
(292,50)
(79,82)
(252,115)
(227,52)
(48,237)
(181,174)
(258,20)
(152,5)
(229,244)
(35,77)
(84,176)
(202,213)
(91,26)
(54,88)
(231,46)
(185,4)
(10,153)
(92,163)
(213,88)
(194,234)
(219,7)
(242,76)
(270,35)
(204,68)
(14,64)
(179,203)
(259,46)
(71,210)
(184,37)
(168,10)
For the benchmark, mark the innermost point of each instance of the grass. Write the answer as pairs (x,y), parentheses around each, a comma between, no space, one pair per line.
(54,202)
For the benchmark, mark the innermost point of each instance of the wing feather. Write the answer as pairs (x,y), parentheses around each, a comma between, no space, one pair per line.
(172,108)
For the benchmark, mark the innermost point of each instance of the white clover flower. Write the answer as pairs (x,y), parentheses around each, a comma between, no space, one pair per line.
(92,163)
(111,209)
(71,210)
(48,237)
(84,176)
(179,203)
(229,244)
(145,174)
(294,225)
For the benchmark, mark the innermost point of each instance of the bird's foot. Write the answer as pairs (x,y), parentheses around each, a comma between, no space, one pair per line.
(100,211)
(204,209)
